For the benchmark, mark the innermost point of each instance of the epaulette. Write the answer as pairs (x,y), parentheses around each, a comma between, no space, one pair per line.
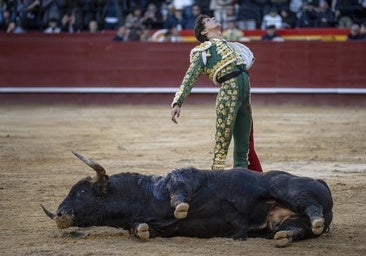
(201,48)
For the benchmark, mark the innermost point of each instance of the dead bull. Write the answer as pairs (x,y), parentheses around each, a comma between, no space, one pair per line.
(198,203)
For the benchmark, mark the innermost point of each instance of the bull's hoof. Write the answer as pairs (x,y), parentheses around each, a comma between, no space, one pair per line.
(142,231)
(282,238)
(181,211)
(317,226)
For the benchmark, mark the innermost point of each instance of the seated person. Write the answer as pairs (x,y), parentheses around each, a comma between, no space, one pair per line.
(271,34)
(354,33)
(232,33)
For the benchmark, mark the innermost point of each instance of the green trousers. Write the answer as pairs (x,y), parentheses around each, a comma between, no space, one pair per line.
(233,120)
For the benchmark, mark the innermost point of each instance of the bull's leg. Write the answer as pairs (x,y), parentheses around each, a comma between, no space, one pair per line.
(293,229)
(181,210)
(177,201)
(178,195)
(310,208)
(241,233)
(239,225)
(182,184)
(141,230)
(284,237)
(315,214)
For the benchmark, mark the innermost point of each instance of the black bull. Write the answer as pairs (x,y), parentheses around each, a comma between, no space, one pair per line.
(189,202)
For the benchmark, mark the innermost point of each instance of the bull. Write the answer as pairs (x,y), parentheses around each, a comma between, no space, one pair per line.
(236,203)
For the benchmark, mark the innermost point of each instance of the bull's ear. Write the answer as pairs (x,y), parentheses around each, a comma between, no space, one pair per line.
(103,184)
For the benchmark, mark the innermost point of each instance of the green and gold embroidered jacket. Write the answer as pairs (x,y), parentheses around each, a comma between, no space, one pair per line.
(214,58)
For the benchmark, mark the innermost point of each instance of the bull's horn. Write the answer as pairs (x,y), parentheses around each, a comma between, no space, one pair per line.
(95,166)
(48,213)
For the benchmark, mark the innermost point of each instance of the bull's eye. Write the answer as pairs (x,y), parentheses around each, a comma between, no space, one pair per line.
(82,193)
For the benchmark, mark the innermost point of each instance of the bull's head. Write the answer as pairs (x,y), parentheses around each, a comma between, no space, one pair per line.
(83,205)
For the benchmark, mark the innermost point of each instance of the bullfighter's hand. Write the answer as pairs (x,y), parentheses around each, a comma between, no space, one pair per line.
(175,113)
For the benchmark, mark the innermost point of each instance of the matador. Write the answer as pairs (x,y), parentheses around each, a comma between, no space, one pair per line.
(226,64)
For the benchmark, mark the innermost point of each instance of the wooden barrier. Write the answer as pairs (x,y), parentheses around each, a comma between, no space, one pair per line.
(95,61)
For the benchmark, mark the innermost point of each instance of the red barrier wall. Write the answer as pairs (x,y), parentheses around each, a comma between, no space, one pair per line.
(84,60)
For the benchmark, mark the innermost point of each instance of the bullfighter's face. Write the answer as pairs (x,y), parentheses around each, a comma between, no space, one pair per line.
(210,24)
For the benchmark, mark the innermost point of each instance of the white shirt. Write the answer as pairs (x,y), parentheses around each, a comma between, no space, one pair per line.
(272,20)
(244,52)
(180,4)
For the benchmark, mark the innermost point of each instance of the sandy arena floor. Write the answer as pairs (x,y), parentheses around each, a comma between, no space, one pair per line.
(37,167)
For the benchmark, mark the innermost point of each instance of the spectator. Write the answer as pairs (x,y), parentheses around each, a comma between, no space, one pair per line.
(184,5)
(204,6)
(272,18)
(308,16)
(271,34)
(71,20)
(190,19)
(295,6)
(93,26)
(53,27)
(138,4)
(288,19)
(280,4)
(125,34)
(80,13)
(112,14)
(175,19)
(134,34)
(30,18)
(172,36)
(263,5)
(96,8)
(121,35)
(68,23)
(232,33)
(349,8)
(152,18)
(145,35)
(7,19)
(50,12)
(313,3)
(325,16)
(10,16)
(354,33)
(249,16)
(344,22)
(165,9)
(134,18)
(218,7)
(2,9)
(363,30)
(230,15)
(363,10)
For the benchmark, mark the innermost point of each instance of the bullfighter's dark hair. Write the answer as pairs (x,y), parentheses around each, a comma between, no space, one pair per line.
(199,27)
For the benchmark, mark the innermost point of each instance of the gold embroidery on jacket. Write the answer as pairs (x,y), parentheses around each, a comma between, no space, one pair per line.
(213,58)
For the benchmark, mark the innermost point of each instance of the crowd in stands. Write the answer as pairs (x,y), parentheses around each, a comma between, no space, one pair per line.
(134,20)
